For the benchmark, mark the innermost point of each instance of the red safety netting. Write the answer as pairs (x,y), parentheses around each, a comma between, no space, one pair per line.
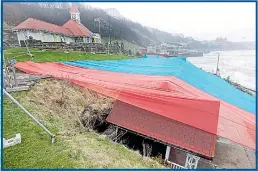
(167,96)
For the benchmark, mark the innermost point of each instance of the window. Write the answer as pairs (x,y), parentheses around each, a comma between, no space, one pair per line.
(79,39)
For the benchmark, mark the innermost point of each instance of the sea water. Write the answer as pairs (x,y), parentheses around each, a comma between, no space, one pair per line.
(239,65)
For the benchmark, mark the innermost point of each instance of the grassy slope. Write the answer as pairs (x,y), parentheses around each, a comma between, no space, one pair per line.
(36,150)
(73,148)
(81,150)
(56,56)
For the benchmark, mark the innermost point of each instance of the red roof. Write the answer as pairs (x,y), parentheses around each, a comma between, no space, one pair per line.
(77,29)
(164,129)
(69,28)
(74,9)
(35,24)
(166,96)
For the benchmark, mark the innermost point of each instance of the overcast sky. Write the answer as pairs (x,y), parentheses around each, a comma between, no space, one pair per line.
(203,21)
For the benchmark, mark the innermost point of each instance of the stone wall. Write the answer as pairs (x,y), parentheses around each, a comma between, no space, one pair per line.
(10,38)
(86,47)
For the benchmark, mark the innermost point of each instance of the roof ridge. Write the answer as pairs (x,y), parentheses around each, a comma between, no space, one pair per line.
(78,24)
(43,21)
(36,24)
(71,27)
(67,27)
(70,20)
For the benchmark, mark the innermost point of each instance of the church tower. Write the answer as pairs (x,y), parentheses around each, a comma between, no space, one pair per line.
(75,14)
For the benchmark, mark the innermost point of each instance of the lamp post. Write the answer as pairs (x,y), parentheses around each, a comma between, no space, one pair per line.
(217,65)
(109,29)
(98,20)
(120,39)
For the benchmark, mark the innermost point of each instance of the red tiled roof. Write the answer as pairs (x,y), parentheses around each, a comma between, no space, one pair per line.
(74,9)
(35,24)
(69,28)
(77,29)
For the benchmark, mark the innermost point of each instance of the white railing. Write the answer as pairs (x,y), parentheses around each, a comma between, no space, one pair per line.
(175,166)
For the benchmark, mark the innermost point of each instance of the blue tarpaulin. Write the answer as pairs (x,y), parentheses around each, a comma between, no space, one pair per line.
(181,68)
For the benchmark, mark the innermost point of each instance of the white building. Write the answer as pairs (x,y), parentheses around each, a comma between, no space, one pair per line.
(152,49)
(71,31)
(170,49)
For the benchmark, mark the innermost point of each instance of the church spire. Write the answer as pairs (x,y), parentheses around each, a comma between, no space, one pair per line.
(75,14)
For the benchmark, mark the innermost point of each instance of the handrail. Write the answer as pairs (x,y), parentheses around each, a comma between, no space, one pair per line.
(174,165)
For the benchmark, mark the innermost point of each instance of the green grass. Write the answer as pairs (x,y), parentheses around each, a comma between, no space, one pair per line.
(19,50)
(72,149)
(36,150)
(56,56)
